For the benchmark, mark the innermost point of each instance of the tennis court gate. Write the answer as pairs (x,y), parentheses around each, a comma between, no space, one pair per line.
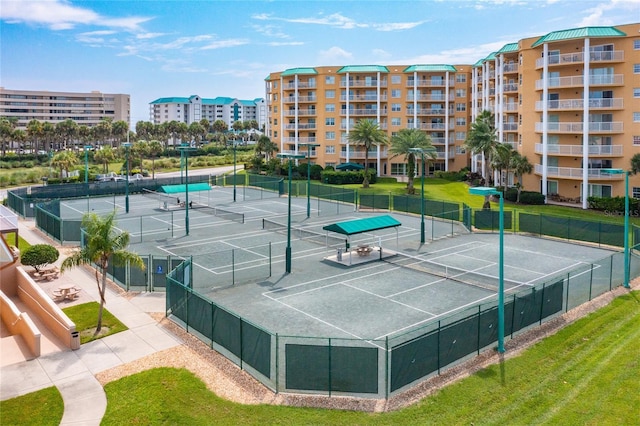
(378,368)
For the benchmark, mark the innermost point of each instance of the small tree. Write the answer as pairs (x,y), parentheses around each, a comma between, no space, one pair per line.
(39,256)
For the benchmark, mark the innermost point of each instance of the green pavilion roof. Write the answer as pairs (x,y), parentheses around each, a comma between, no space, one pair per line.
(298,71)
(507,48)
(359,226)
(585,32)
(431,68)
(193,187)
(363,68)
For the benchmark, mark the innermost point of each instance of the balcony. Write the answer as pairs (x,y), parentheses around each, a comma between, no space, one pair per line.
(300,99)
(301,85)
(310,139)
(510,107)
(510,68)
(578,81)
(577,150)
(432,126)
(574,127)
(430,97)
(578,104)
(372,98)
(363,83)
(426,111)
(509,87)
(300,112)
(301,126)
(363,112)
(510,127)
(427,82)
(301,150)
(576,173)
(359,155)
(578,58)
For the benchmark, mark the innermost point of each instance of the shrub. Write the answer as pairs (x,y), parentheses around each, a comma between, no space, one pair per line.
(530,197)
(511,194)
(343,178)
(612,204)
(452,176)
(39,256)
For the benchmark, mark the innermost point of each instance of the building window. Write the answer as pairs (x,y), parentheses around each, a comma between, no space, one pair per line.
(636,140)
(460,136)
(461,93)
(395,93)
(329,121)
(330,79)
(460,149)
(635,192)
(636,68)
(636,44)
(396,121)
(398,169)
(275,84)
(330,149)
(275,121)
(330,94)
(330,107)
(461,78)
(330,136)
(461,107)
(603,191)
(395,107)
(636,92)
(396,79)
(636,117)
(461,121)
(327,164)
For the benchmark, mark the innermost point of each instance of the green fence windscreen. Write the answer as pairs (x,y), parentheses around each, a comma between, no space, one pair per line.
(490,219)
(414,360)
(256,348)
(226,330)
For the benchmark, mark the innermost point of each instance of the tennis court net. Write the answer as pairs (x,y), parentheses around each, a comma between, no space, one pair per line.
(165,199)
(304,234)
(218,212)
(476,279)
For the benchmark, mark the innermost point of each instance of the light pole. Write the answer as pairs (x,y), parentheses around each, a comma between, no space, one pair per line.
(309,146)
(626,220)
(422,151)
(184,149)
(86,163)
(484,191)
(287,254)
(234,170)
(126,145)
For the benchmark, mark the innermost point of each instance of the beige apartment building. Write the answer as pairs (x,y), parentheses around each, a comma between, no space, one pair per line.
(568,100)
(83,108)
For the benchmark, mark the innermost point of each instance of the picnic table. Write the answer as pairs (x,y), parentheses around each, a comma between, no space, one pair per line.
(67,291)
(47,274)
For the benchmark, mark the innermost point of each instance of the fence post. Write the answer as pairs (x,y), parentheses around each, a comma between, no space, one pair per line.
(329,366)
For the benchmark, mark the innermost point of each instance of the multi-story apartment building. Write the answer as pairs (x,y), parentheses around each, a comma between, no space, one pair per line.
(568,100)
(320,105)
(83,108)
(196,108)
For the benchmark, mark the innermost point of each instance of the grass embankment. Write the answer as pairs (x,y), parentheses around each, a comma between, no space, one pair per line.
(42,408)
(85,317)
(585,374)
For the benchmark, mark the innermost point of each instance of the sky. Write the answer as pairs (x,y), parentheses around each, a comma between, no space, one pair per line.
(152,49)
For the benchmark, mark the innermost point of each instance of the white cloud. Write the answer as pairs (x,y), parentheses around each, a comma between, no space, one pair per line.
(337,20)
(596,15)
(147,36)
(285,43)
(221,44)
(61,15)
(334,55)
(381,54)
(467,55)
(270,31)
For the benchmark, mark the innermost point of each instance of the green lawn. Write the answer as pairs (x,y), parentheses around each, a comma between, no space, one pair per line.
(85,317)
(41,408)
(585,374)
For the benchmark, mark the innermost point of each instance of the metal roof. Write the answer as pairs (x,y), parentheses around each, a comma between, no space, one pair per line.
(359,226)
(432,68)
(173,100)
(220,100)
(193,187)
(584,32)
(363,68)
(507,48)
(298,71)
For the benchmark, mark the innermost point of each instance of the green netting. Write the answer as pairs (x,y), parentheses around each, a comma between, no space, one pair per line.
(635,242)
(490,219)
(488,327)
(458,340)
(527,310)
(200,315)
(374,201)
(442,209)
(404,203)
(71,230)
(414,360)
(159,268)
(307,367)
(138,277)
(552,297)
(226,330)
(572,229)
(177,295)
(256,348)
(466,216)
(354,369)
(48,223)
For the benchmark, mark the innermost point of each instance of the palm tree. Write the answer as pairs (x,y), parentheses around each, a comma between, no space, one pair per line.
(64,160)
(102,245)
(501,161)
(155,149)
(482,138)
(104,156)
(266,146)
(635,164)
(368,134)
(520,165)
(401,145)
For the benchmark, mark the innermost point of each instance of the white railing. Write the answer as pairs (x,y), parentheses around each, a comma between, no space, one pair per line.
(511,106)
(301,85)
(577,150)
(510,87)
(373,98)
(360,154)
(612,127)
(576,173)
(510,68)
(429,83)
(8,219)
(301,112)
(299,140)
(300,126)
(432,126)
(431,97)
(578,81)
(426,111)
(578,104)
(510,127)
(575,58)
(363,83)
(363,112)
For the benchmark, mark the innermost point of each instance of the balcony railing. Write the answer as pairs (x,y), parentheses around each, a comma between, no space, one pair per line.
(510,127)
(576,173)
(426,111)
(573,127)
(432,126)
(305,126)
(510,107)
(578,104)
(301,112)
(429,83)
(510,68)
(360,112)
(301,150)
(301,85)
(430,97)
(577,150)
(510,87)
(373,98)
(577,58)
(363,83)
(360,154)
(578,81)
(299,140)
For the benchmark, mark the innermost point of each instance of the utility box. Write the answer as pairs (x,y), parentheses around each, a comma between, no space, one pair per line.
(339,255)
(75,340)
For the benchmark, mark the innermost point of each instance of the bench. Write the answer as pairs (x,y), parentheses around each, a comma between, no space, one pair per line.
(47,274)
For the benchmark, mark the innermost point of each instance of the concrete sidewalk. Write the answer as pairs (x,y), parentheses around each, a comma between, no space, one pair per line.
(73,372)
